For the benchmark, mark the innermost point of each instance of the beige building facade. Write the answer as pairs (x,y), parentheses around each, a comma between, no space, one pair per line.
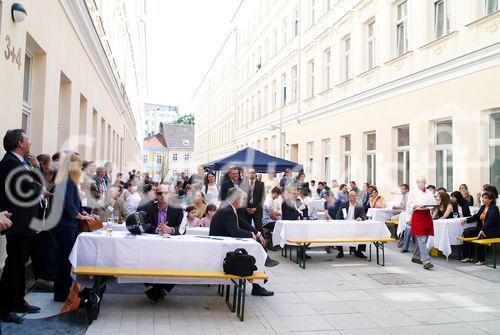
(72,74)
(374,91)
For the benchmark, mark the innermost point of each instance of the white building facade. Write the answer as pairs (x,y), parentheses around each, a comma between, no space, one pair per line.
(155,113)
(375,91)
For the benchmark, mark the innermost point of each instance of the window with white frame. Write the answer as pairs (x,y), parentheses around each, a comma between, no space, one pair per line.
(174,156)
(252,111)
(259,105)
(296,22)
(284,32)
(158,159)
(371,158)
(491,6)
(494,146)
(275,41)
(145,159)
(247,111)
(273,145)
(283,89)
(328,6)
(294,83)
(310,78)
(310,158)
(402,27)
(327,70)
(266,50)
(186,157)
(346,158)
(346,59)
(441,18)
(265,107)
(312,12)
(444,154)
(403,153)
(326,159)
(274,95)
(27,93)
(370,44)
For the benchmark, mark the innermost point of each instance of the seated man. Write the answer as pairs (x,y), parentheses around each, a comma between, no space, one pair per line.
(292,208)
(164,219)
(351,210)
(269,214)
(226,222)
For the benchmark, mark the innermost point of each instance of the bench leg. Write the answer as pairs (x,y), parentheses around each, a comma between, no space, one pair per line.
(370,254)
(100,288)
(241,303)
(494,255)
(230,305)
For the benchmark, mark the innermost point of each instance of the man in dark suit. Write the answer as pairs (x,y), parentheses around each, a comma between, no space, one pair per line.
(293,208)
(351,210)
(164,219)
(255,190)
(23,202)
(232,182)
(226,222)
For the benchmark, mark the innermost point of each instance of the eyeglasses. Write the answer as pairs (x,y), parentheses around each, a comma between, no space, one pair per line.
(161,193)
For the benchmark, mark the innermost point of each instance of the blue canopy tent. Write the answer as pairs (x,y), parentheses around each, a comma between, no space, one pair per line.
(250,157)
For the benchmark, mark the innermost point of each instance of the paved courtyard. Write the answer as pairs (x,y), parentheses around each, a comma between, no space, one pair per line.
(332,296)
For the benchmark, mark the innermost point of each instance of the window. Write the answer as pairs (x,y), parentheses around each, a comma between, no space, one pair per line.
(312,12)
(328,6)
(275,95)
(252,111)
(296,23)
(258,144)
(259,104)
(403,153)
(145,159)
(327,70)
(441,19)
(275,41)
(174,157)
(265,145)
(158,159)
(444,154)
(294,82)
(494,145)
(284,32)
(371,44)
(266,50)
(186,157)
(310,158)
(326,159)
(310,77)
(401,28)
(347,158)
(273,145)
(27,81)
(283,89)
(347,58)
(491,6)
(371,157)
(265,108)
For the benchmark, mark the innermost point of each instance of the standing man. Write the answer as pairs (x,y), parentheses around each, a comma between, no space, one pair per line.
(352,210)
(256,194)
(232,182)
(19,195)
(418,209)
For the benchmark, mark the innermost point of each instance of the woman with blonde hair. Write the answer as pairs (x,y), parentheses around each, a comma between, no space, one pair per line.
(465,193)
(66,231)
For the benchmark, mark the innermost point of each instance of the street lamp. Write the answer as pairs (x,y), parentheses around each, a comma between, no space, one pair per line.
(18,12)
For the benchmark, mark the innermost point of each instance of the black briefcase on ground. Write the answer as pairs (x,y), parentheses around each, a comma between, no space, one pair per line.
(239,263)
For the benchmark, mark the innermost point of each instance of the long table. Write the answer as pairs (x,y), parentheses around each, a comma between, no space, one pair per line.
(446,232)
(147,251)
(285,230)
(189,230)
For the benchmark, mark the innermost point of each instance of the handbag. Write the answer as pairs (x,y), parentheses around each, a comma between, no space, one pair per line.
(239,263)
(90,225)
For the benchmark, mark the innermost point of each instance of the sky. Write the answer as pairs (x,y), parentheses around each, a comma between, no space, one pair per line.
(183,37)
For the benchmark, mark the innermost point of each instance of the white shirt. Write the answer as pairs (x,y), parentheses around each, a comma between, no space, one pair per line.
(211,194)
(133,202)
(18,157)
(350,212)
(312,211)
(417,197)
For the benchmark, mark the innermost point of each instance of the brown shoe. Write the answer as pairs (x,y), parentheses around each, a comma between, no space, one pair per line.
(416,260)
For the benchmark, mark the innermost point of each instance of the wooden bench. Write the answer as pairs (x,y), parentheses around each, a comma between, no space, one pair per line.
(302,246)
(102,274)
(486,242)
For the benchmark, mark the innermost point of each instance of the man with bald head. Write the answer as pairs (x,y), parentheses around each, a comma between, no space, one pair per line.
(418,210)
(352,210)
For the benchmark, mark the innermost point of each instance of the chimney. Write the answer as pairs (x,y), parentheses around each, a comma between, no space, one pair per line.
(161,127)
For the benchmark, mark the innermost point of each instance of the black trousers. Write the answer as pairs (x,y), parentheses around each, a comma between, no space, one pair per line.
(361,247)
(65,238)
(12,283)
(43,252)
(257,218)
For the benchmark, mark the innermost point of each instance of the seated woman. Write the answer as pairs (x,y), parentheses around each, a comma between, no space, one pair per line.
(209,213)
(445,209)
(199,204)
(464,190)
(305,196)
(190,220)
(113,207)
(460,205)
(376,200)
(488,223)
(331,206)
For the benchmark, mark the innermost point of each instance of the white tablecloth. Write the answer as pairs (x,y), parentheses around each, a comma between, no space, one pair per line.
(321,216)
(321,229)
(149,251)
(189,231)
(380,214)
(446,232)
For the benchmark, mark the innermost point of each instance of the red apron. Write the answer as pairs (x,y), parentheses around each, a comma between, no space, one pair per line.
(421,223)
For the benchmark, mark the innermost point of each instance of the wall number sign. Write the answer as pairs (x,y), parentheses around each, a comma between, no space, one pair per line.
(10,53)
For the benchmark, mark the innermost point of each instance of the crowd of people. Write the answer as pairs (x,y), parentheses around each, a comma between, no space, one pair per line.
(240,205)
